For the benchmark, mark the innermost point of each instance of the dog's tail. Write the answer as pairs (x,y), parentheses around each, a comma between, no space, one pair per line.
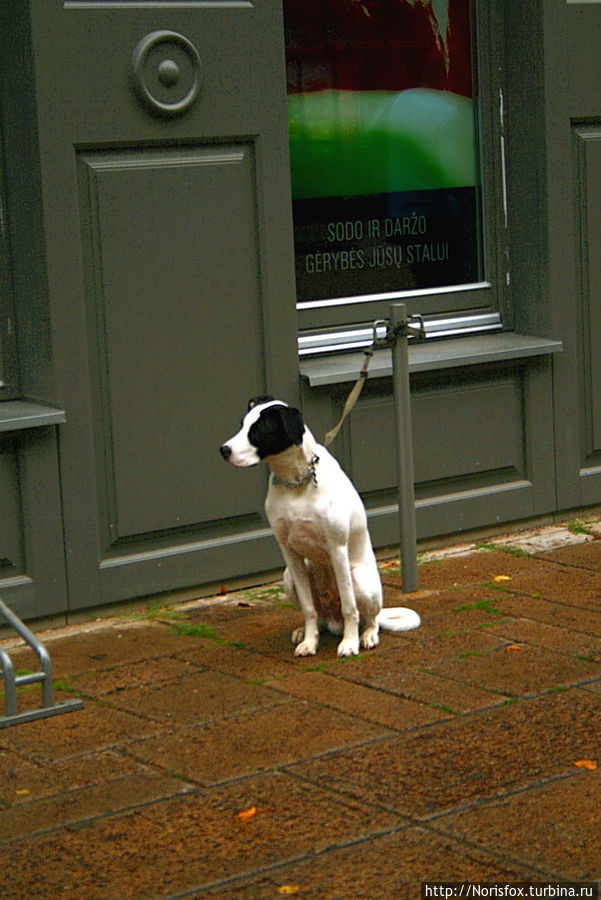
(398,618)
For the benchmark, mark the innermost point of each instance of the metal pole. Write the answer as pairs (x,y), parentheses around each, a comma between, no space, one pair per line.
(404,445)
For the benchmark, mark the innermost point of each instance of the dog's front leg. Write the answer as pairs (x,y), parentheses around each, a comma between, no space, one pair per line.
(349,645)
(298,571)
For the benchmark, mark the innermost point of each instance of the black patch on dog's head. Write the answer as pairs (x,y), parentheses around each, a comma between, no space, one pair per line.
(257,401)
(276,429)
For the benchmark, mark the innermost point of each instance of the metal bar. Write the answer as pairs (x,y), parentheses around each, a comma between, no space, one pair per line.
(30,715)
(29,678)
(46,675)
(49,707)
(47,686)
(10,688)
(404,446)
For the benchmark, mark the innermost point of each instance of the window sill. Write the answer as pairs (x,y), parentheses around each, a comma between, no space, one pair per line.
(430,356)
(17,415)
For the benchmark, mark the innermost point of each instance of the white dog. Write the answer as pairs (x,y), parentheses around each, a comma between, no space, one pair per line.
(320,524)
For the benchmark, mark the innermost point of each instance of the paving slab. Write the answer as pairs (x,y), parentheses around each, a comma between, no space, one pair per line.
(555,826)
(102,645)
(575,587)
(477,567)
(399,653)
(59,737)
(446,695)
(102,682)
(372,705)
(23,780)
(443,604)
(391,866)
(548,612)
(535,633)
(81,804)
(236,660)
(518,669)
(539,540)
(195,698)
(117,857)
(271,737)
(584,555)
(423,773)
(265,628)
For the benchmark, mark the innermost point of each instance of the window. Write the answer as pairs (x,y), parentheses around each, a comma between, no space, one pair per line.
(385,154)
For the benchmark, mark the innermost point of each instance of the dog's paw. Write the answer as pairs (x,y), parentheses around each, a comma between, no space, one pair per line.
(297,635)
(348,647)
(370,638)
(306,648)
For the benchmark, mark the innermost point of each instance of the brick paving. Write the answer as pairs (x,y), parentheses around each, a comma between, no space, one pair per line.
(208,762)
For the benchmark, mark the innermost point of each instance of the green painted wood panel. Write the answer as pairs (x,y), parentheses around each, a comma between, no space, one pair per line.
(460,433)
(179,328)
(572,94)
(11,560)
(167,235)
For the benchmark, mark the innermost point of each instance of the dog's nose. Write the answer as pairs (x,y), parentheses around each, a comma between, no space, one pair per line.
(226,451)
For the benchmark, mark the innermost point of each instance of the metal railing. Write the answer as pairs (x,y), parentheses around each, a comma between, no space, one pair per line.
(12,681)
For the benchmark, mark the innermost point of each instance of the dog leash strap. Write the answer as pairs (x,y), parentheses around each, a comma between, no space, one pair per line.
(352,397)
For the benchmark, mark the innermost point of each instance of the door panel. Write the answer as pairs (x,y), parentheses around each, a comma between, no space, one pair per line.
(163,150)
(573,110)
(164,320)
(588,179)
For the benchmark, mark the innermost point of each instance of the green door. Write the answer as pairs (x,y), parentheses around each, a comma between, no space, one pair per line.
(573,109)
(164,170)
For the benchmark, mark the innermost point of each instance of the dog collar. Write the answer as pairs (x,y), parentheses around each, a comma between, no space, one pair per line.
(310,475)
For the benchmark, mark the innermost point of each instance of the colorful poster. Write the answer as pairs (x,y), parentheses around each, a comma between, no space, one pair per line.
(382,145)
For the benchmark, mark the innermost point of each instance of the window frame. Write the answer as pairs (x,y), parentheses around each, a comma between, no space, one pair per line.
(339,324)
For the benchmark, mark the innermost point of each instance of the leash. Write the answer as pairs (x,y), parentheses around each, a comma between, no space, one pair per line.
(388,340)
(352,398)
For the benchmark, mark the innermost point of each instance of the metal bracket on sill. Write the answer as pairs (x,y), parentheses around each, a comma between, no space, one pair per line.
(361,336)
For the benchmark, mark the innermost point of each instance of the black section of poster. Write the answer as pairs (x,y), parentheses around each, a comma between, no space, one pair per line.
(350,246)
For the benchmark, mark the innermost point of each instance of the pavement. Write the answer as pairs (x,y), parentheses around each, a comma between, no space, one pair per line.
(207,761)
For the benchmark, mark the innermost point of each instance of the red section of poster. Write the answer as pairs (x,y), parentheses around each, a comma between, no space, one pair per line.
(369,45)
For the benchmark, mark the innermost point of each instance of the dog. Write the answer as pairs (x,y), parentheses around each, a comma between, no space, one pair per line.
(320,523)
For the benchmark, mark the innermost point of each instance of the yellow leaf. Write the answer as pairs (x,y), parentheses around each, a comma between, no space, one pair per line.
(22,792)
(511,647)
(502,578)
(288,888)
(246,814)
(586,763)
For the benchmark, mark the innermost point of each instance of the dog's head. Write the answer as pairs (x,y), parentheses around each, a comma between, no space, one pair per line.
(269,427)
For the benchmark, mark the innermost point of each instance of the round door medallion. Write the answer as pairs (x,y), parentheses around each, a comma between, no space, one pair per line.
(167,72)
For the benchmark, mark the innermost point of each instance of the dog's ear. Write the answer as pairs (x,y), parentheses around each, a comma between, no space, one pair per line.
(256,401)
(292,421)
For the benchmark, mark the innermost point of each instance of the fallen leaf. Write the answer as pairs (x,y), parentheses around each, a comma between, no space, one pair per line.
(289,888)
(246,814)
(586,764)
(22,792)
(502,578)
(511,647)
(392,563)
